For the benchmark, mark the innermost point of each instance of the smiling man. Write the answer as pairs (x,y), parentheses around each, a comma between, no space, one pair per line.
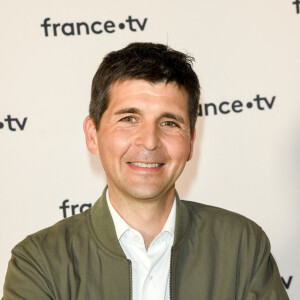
(140,241)
(144,140)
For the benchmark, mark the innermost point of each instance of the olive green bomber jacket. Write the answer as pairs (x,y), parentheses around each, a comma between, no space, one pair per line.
(217,255)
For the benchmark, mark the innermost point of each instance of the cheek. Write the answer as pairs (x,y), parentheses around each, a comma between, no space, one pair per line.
(178,149)
(181,154)
(113,144)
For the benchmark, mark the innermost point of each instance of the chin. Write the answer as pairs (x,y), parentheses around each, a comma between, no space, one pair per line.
(146,193)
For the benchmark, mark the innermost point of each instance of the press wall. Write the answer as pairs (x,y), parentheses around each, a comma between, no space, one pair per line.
(248,131)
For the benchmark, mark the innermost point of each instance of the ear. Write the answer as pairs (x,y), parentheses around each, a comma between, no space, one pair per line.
(192,145)
(90,132)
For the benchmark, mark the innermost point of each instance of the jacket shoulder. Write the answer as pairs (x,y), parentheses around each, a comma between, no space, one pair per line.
(62,232)
(219,219)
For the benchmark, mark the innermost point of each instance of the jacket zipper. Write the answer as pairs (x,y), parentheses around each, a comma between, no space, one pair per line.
(171,275)
(130,279)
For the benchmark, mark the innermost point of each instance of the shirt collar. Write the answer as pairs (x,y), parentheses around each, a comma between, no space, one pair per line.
(121,226)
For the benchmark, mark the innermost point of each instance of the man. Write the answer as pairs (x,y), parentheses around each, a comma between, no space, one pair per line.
(139,241)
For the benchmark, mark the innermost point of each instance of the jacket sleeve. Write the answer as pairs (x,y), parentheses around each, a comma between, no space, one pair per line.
(26,276)
(266,283)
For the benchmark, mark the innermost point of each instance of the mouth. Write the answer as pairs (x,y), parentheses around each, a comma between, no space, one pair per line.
(146,165)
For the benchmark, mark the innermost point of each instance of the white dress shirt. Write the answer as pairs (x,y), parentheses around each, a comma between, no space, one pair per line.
(150,269)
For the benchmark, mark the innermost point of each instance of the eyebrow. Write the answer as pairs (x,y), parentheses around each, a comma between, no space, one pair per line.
(134,110)
(129,110)
(172,116)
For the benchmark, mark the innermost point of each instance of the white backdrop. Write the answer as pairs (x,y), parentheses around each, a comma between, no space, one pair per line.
(246,159)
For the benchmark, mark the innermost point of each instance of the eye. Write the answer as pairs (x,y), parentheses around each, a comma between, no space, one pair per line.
(169,124)
(128,119)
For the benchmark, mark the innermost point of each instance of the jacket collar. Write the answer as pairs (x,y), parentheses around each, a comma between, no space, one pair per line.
(103,225)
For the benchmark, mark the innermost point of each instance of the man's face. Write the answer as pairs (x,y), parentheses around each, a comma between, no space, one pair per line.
(144,138)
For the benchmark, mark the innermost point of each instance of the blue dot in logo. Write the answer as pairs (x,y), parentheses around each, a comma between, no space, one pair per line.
(121,26)
(1,125)
(249,104)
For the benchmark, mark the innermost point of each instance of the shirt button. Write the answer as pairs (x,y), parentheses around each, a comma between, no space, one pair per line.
(150,277)
(136,238)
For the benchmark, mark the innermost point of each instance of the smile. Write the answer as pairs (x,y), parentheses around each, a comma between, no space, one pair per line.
(145,165)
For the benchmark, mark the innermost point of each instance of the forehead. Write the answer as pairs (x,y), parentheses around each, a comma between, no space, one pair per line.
(135,91)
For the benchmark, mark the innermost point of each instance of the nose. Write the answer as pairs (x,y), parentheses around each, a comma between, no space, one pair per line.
(148,136)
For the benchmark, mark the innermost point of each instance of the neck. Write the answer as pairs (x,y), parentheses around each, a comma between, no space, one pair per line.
(147,216)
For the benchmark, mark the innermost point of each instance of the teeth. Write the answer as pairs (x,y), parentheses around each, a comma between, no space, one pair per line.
(144,165)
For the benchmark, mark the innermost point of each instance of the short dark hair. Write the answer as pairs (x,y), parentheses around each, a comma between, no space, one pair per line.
(151,62)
